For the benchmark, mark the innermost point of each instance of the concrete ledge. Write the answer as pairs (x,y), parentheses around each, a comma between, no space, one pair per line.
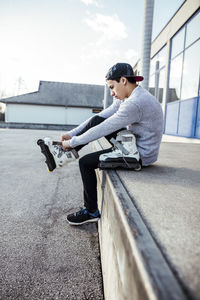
(179,139)
(133,266)
(36,126)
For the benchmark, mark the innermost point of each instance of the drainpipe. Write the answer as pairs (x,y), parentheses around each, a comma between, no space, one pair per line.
(146,41)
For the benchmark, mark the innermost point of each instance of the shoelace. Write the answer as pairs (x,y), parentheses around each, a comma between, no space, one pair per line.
(123,156)
(114,148)
(124,159)
(81,212)
(60,151)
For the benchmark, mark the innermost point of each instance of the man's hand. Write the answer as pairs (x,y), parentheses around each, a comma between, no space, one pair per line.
(65,145)
(65,137)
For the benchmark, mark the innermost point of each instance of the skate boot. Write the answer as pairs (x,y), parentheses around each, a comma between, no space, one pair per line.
(124,154)
(55,156)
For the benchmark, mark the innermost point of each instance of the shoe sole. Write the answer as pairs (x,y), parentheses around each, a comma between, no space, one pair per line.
(115,165)
(50,161)
(85,222)
(49,157)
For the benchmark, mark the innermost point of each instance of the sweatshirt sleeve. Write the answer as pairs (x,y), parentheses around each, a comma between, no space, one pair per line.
(106,113)
(109,111)
(77,129)
(128,113)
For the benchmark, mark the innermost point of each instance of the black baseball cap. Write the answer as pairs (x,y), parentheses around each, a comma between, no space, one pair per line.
(122,70)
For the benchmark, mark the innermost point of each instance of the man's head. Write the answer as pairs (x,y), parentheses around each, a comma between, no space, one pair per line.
(121,80)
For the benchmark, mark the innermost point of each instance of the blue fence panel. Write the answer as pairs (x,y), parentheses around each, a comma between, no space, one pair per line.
(171,120)
(187,117)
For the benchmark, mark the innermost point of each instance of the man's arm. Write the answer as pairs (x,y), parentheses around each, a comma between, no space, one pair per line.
(106,113)
(128,113)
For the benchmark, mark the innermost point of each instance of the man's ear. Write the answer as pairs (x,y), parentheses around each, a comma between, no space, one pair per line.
(123,80)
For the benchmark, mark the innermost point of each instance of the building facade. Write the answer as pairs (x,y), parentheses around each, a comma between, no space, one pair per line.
(175,71)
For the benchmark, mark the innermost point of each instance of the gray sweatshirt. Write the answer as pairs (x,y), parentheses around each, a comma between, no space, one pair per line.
(141,113)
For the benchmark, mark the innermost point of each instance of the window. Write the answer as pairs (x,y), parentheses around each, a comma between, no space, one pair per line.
(190,81)
(152,84)
(153,65)
(157,70)
(185,61)
(174,92)
(96,110)
(161,85)
(193,30)
(178,43)
(161,57)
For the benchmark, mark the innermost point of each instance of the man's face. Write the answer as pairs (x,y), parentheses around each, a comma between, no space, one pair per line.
(118,89)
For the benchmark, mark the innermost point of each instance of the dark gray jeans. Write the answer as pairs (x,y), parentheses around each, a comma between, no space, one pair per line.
(89,163)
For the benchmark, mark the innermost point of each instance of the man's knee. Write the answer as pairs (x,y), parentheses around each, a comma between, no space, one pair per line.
(96,120)
(89,161)
(84,161)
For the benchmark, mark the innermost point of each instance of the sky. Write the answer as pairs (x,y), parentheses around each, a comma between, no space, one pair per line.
(70,40)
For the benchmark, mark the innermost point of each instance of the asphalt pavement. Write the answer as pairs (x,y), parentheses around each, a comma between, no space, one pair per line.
(41,255)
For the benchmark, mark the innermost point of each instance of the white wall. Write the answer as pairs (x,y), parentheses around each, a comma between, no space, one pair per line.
(75,116)
(22,113)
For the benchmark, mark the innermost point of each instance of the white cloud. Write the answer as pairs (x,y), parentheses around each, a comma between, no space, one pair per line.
(93,53)
(88,2)
(131,54)
(110,27)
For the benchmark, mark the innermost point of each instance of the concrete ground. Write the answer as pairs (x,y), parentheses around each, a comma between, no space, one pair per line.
(167,195)
(41,255)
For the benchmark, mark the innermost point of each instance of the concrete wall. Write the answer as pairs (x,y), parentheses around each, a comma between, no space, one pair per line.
(40,114)
(124,275)
(133,266)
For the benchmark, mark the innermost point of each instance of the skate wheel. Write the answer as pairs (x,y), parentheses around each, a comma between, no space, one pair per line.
(49,170)
(40,141)
(138,168)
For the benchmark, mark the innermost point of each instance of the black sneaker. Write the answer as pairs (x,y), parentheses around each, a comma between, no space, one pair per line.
(83,216)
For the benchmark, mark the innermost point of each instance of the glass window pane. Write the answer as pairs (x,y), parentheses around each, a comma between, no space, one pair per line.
(152,65)
(191,67)
(178,43)
(162,57)
(152,84)
(175,78)
(193,30)
(161,85)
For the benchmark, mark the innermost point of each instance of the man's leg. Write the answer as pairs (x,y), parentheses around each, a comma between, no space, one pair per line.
(96,120)
(90,213)
(93,122)
(88,164)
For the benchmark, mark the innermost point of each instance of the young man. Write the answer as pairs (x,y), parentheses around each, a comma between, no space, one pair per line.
(134,108)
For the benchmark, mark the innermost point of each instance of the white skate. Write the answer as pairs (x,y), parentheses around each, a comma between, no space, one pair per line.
(56,157)
(124,154)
